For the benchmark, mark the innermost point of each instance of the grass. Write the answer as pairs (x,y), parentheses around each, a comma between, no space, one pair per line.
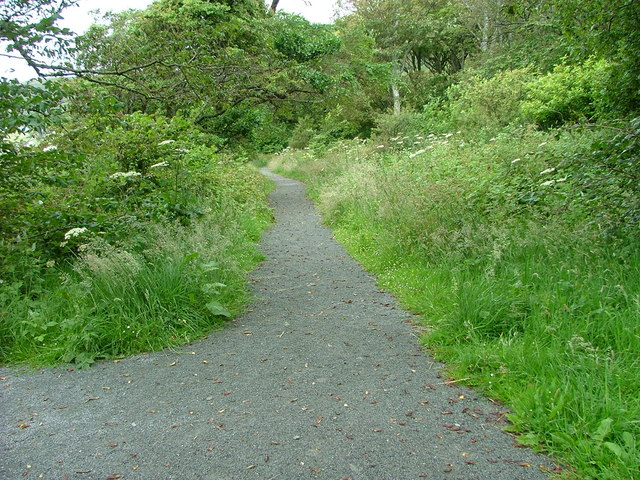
(519,287)
(170,285)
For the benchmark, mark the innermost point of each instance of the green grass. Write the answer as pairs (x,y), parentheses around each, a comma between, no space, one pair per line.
(170,285)
(519,290)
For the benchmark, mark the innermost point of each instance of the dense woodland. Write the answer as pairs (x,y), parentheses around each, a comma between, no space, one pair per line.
(480,156)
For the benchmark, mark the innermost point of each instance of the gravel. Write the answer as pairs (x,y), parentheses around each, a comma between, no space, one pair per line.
(322,378)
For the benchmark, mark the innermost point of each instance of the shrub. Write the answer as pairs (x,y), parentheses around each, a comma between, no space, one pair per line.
(488,103)
(570,93)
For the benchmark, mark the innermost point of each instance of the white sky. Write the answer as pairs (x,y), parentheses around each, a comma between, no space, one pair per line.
(79,19)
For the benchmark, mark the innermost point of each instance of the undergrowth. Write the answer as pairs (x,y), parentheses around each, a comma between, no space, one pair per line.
(168,284)
(519,253)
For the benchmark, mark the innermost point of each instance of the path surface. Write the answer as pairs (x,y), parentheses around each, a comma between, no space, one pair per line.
(322,379)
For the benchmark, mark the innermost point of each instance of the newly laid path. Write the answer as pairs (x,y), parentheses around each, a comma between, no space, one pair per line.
(322,379)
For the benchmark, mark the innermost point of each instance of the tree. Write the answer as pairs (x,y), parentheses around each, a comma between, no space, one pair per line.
(415,36)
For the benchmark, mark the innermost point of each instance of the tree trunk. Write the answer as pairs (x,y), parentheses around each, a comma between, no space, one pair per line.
(395,91)
(274,5)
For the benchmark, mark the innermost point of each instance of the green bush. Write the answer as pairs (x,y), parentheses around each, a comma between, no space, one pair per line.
(570,93)
(488,103)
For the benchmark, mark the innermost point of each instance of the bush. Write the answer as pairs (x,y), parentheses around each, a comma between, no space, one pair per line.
(570,93)
(488,103)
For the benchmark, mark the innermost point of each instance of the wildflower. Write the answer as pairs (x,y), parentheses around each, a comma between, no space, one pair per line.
(380,146)
(542,144)
(516,160)
(492,139)
(125,175)
(548,170)
(547,183)
(74,232)
(419,152)
(447,135)
(161,164)
(49,148)
(50,263)
(165,142)
(182,150)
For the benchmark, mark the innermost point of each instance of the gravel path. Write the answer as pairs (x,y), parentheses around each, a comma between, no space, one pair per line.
(322,379)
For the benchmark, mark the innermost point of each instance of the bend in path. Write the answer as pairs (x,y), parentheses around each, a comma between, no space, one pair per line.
(322,379)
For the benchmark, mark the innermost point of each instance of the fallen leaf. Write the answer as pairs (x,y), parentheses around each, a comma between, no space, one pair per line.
(113,444)
(23,425)
(250,467)
(115,476)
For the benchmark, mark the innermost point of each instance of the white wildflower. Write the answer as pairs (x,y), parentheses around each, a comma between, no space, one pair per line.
(50,148)
(161,164)
(416,143)
(74,232)
(50,263)
(165,142)
(542,144)
(492,139)
(563,179)
(547,183)
(125,175)
(548,170)
(380,146)
(182,150)
(415,154)
(447,135)
(516,160)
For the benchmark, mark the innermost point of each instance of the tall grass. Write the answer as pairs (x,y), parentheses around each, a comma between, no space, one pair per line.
(169,285)
(521,286)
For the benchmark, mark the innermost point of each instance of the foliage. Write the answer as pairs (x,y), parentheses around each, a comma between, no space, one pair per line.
(301,41)
(568,94)
(29,29)
(488,103)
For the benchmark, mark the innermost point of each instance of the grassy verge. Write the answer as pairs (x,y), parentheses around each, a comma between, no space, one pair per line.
(527,288)
(167,285)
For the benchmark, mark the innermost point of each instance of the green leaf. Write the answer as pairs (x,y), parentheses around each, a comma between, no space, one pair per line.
(216,308)
(615,448)
(529,439)
(603,430)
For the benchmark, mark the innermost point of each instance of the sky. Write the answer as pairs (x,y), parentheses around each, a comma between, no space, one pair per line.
(79,19)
